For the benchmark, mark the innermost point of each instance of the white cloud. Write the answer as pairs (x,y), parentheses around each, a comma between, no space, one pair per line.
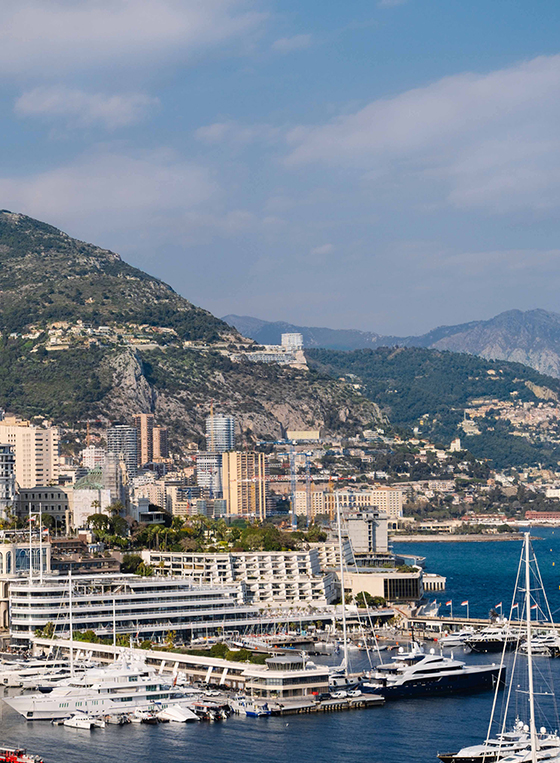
(107,190)
(480,140)
(289,44)
(324,249)
(233,132)
(41,37)
(80,109)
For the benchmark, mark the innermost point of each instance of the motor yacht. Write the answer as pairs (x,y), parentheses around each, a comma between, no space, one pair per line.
(122,687)
(503,746)
(492,639)
(415,673)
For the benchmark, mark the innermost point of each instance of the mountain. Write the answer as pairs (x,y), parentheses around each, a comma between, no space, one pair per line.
(86,336)
(430,390)
(531,337)
(266,332)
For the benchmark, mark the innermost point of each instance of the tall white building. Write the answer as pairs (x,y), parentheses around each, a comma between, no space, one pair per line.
(7,478)
(35,450)
(209,473)
(292,341)
(122,441)
(220,433)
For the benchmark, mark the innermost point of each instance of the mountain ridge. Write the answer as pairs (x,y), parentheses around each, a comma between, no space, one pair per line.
(529,337)
(86,336)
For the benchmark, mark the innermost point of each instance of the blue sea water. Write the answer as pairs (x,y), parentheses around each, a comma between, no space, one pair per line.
(410,731)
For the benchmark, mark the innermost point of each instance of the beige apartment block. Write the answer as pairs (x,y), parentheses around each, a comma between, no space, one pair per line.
(387,499)
(35,450)
(144,423)
(244,483)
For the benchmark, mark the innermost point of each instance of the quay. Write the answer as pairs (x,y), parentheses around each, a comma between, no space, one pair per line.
(437,625)
(328,705)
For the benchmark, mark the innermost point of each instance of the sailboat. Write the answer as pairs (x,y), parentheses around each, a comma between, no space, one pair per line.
(522,742)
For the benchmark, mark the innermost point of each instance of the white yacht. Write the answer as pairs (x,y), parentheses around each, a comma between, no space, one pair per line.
(500,748)
(121,687)
(455,638)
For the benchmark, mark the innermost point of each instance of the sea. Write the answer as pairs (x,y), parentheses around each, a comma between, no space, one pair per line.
(407,731)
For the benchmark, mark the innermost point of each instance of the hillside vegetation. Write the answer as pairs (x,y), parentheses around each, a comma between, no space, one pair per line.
(430,390)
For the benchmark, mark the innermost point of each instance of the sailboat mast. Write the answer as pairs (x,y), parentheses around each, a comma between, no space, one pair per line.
(532,726)
(342,586)
(70,620)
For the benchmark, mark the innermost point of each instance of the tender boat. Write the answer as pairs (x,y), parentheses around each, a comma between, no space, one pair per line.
(247,706)
(416,674)
(79,721)
(17,755)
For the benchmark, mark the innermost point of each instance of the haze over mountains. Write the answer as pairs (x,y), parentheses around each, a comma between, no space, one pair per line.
(531,337)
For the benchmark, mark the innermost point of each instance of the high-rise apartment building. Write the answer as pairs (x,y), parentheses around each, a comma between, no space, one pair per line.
(122,441)
(244,483)
(220,433)
(35,450)
(7,479)
(160,448)
(209,473)
(144,423)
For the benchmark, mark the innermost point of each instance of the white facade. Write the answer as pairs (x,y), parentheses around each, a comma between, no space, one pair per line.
(282,578)
(367,531)
(209,472)
(145,607)
(292,341)
(92,457)
(220,433)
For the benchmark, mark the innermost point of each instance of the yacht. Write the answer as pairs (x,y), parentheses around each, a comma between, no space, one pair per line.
(455,639)
(515,742)
(415,674)
(492,640)
(125,685)
(546,644)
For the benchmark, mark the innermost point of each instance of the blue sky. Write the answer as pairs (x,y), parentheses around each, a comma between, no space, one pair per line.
(386,165)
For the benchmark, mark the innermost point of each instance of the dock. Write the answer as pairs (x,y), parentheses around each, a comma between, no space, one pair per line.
(326,706)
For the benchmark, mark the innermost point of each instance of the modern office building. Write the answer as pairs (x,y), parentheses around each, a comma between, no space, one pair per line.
(282,578)
(35,451)
(7,479)
(244,483)
(220,433)
(122,441)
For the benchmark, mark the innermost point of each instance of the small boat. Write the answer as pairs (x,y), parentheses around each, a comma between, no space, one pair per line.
(17,755)
(79,721)
(248,706)
(177,714)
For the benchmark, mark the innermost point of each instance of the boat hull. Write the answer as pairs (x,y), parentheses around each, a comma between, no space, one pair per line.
(490,645)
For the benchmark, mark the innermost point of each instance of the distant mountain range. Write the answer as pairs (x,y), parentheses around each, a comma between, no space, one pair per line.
(531,337)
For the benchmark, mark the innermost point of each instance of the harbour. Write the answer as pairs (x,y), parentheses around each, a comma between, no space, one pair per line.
(383,735)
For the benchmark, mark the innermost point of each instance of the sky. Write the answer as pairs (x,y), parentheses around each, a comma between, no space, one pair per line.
(386,165)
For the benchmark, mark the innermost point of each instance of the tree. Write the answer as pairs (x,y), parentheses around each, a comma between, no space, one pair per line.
(170,637)
(131,563)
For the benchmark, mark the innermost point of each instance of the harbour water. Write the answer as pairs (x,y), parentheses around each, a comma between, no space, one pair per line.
(410,731)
